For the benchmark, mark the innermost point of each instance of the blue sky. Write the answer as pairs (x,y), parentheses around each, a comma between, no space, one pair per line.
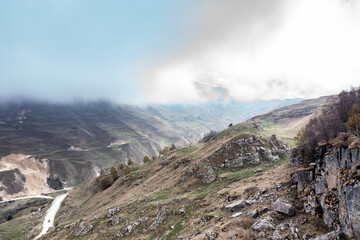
(178,51)
(68,49)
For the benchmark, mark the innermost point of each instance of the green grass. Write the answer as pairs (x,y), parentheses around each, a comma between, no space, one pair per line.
(242,173)
(163,195)
(271,128)
(237,129)
(17,229)
(187,150)
(207,189)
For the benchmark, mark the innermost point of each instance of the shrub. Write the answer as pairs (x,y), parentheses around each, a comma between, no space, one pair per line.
(9,218)
(106,182)
(153,157)
(130,162)
(146,159)
(172,147)
(121,166)
(114,173)
(166,149)
(127,170)
(208,136)
(353,124)
(334,118)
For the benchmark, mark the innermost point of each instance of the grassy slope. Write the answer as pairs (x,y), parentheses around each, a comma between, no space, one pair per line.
(158,181)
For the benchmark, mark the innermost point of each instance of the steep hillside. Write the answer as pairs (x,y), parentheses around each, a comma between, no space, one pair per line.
(288,120)
(226,188)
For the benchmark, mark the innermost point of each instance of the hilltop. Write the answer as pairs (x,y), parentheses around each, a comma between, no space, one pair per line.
(287,121)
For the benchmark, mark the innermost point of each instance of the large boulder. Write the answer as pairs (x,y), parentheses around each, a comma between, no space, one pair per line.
(263,224)
(283,207)
(236,206)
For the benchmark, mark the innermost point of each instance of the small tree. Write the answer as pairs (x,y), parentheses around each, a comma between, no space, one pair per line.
(353,122)
(146,159)
(153,157)
(130,162)
(9,218)
(230,125)
(127,170)
(172,147)
(114,173)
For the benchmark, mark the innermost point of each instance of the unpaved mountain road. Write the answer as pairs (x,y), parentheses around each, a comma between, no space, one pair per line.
(27,197)
(38,196)
(51,213)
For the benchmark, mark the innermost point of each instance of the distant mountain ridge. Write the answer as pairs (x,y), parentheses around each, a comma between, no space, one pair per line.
(81,138)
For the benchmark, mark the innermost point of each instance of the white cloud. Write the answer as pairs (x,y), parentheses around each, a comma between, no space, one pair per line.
(254,50)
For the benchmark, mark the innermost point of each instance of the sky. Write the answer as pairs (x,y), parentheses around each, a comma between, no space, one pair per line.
(181,51)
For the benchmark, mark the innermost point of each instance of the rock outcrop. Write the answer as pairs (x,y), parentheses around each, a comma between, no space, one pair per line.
(160,216)
(330,187)
(82,229)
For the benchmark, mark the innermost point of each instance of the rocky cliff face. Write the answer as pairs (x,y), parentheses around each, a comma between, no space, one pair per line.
(330,188)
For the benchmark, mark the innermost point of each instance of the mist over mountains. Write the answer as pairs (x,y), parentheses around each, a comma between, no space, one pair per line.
(78,139)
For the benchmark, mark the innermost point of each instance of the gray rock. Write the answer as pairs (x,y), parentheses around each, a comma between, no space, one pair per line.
(206,174)
(175,200)
(281,152)
(130,228)
(112,211)
(302,179)
(160,216)
(263,224)
(238,162)
(295,158)
(334,235)
(257,212)
(236,215)
(115,220)
(69,226)
(277,236)
(236,206)
(82,229)
(211,235)
(181,211)
(283,207)
(268,155)
(330,188)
